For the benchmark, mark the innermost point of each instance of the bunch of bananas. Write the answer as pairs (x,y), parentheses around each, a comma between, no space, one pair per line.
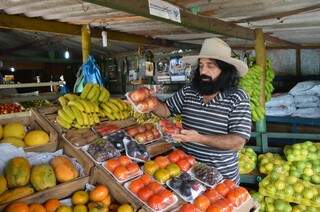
(142,118)
(251,84)
(77,112)
(94,103)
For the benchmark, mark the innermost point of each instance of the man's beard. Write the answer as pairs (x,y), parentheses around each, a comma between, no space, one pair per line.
(205,85)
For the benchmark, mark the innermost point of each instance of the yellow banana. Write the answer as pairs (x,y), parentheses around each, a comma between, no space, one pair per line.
(68,111)
(106,108)
(116,115)
(91,120)
(113,107)
(63,123)
(95,97)
(104,94)
(86,90)
(117,102)
(63,101)
(76,125)
(85,105)
(64,116)
(78,114)
(110,116)
(85,119)
(93,91)
(96,118)
(77,105)
(71,96)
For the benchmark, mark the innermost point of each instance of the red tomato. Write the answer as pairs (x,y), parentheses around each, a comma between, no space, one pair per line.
(145,193)
(124,160)
(212,195)
(190,159)
(188,208)
(174,157)
(162,161)
(167,196)
(202,202)
(156,202)
(112,164)
(184,165)
(229,183)
(222,189)
(135,186)
(181,153)
(132,168)
(121,172)
(145,179)
(155,187)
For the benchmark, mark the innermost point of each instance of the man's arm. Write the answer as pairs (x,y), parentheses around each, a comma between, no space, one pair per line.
(162,109)
(223,142)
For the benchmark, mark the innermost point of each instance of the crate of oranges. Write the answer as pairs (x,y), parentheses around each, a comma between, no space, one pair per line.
(122,168)
(151,193)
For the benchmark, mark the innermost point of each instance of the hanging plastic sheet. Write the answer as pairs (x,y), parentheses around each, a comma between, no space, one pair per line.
(88,73)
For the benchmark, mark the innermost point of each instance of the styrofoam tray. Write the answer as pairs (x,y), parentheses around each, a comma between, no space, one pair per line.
(125,142)
(194,194)
(148,142)
(175,199)
(140,172)
(220,178)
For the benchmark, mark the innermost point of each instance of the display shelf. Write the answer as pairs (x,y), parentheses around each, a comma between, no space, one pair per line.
(294,120)
(31,85)
(40,96)
(252,178)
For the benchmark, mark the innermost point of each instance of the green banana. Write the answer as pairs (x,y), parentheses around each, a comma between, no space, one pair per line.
(77,105)
(86,90)
(78,115)
(63,123)
(64,116)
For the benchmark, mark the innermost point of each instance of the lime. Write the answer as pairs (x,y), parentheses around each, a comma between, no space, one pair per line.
(296,146)
(271,189)
(289,191)
(308,172)
(292,179)
(300,165)
(298,187)
(316,178)
(307,194)
(269,167)
(306,178)
(279,205)
(279,185)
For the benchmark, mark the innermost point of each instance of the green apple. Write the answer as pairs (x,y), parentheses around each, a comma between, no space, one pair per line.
(173,169)
(162,175)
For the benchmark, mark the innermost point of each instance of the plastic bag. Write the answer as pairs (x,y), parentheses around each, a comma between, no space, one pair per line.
(88,73)
(302,87)
(306,101)
(281,110)
(312,112)
(281,100)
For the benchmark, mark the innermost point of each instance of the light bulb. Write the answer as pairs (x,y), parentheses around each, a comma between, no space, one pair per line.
(66,54)
(12,69)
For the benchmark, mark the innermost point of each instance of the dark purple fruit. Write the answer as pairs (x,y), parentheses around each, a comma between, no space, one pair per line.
(175,183)
(185,191)
(185,177)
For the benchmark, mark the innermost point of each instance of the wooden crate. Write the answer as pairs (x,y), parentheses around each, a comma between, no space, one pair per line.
(99,176)
(33,120)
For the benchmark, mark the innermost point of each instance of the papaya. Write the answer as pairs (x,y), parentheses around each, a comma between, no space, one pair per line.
(42,177)
(64,169)
(16,193)
(17,172)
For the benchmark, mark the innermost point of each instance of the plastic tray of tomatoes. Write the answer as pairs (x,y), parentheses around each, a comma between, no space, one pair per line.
(122,168)
(186,187)
(167,128)
(151,193)
(144,133)
(135,151)
(100,150)
(142,100)
(225,196)
(208,175)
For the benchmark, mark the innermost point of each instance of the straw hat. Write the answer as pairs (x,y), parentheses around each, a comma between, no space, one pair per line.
(216,48)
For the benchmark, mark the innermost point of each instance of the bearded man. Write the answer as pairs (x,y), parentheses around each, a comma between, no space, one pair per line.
(215,113)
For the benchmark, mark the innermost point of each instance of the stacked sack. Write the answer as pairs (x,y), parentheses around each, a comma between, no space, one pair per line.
(87,109)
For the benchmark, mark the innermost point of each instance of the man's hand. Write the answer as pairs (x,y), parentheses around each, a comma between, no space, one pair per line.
(187,136)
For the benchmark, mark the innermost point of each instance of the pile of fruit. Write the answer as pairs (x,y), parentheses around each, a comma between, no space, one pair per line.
(14,133)
(268,161)
(302,151)
(101,150)
(122,168)
(116,139)
(18,174)
(142,100)
(247,160)
(86,110)
(169,127)
(251,84)
(137,151)
(98,199)
(151,193)
(10,108)
(224,197)
(306,170)
(209,175)
(145,133)
(142,118)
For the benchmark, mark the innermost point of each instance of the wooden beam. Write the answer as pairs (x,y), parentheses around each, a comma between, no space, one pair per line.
(189,20)
(298,62)
(39,25)
(85,43)
(279,14)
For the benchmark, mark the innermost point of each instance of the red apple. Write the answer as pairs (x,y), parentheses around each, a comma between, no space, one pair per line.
(140,94)
(132,131)
(141,137)
(152,102)
(149,135)
(143,106)
(141,129)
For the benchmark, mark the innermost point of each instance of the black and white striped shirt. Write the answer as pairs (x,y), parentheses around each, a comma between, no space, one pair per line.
(226,113)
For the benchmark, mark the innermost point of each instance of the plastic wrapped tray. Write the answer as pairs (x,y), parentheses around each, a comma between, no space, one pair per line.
(216,178)
(145,156)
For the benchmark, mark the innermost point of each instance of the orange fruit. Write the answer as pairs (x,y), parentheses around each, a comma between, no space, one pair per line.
(162,161)
(222,189)
(107,201)
(136,185)
(51,205)
(155,187)
(124,160)
(212,195)
(174,157)
(188,208)
(121,172)
(80,198)
(202,202)
(145,193)
(229,183)
(181,153)
(156,202)
(35,207)
(80,208)
(14,207)
(146,179)
(99,193)
(112,164)
(132,168)
(184,164)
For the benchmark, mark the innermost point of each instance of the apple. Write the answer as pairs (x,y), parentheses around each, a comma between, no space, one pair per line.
(150,167)
(162,175)
(140,94)
(141,137)
(149,135)
(143,106)
(152,102)
(132,131)
(173,169)
(141,129)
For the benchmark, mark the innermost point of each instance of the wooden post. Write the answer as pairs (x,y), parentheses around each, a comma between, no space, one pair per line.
(260,49)
(85,41)
(298,62)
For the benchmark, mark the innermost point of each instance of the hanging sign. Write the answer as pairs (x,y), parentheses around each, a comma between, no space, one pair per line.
(164,10)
